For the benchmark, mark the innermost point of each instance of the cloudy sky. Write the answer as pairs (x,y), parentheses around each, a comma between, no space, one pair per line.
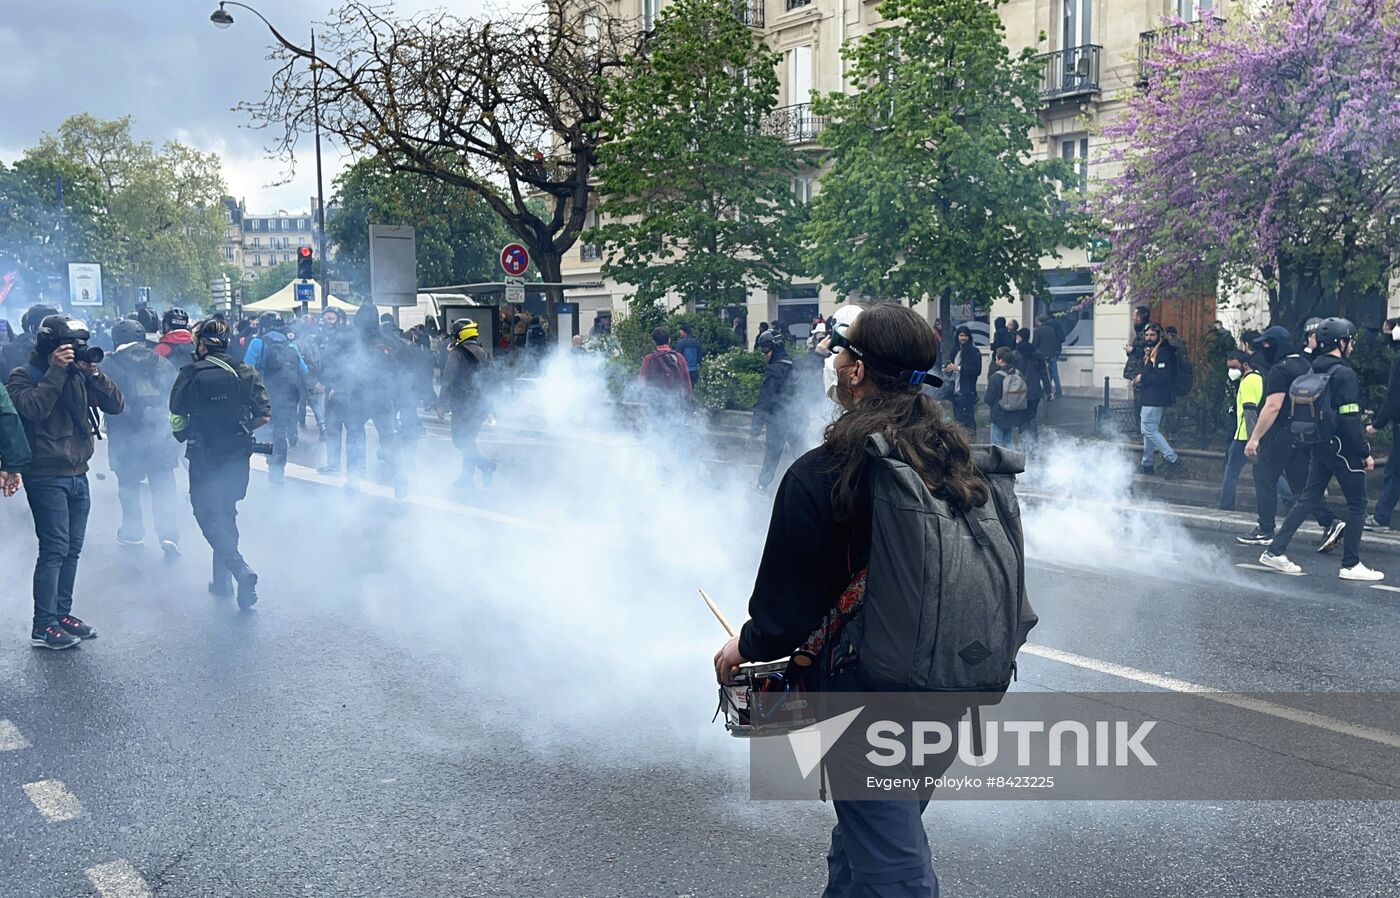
(163,63)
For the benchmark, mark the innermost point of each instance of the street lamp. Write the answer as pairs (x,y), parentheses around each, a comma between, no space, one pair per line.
(222,18)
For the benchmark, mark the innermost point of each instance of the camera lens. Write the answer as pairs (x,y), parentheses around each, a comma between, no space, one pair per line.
(92,355)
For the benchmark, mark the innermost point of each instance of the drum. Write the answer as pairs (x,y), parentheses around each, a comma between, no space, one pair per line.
(762,700)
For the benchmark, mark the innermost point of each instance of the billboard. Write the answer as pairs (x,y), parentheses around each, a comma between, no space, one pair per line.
(84,284)
(393,266)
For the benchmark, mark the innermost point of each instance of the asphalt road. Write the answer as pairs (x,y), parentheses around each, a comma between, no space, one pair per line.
(512,697)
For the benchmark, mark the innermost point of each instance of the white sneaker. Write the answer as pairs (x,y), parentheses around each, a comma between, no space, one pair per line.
(1280,563)
(1360,572)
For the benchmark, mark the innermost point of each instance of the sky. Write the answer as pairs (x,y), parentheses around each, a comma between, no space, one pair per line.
(163,63)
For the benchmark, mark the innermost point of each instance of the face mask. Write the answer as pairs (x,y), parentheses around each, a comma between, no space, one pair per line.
(1235,373)
(1395,333)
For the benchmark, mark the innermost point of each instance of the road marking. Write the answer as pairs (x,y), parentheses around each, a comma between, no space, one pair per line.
(53,800)
(1269,570)
(10,737)
(118,879)
(1386,588)
(1234,700)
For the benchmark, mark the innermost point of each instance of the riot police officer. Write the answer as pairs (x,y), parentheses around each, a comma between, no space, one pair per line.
(464,393)
(215,406)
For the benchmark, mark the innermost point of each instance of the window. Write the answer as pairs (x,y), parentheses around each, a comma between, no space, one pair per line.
(649,9)
(802,188)
(799,75)
(1069,297)
(1077,150)
(1194,10)
(228,252)
(253,224)
(286,224)
(1077,29)
(257,260)
(301,224)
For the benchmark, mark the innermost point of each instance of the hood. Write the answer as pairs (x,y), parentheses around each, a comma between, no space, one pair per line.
(273,337)
(996,460)
(178,338)
(367,318)
(1327,362)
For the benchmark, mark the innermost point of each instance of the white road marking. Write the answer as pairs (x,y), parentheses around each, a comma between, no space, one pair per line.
(10,737)
(118,879)
(1386,588)
(1234,700)
(53,800)
(1269,570)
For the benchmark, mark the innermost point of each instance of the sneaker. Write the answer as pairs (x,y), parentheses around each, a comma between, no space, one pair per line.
(53,638)
(1332,536)
(1280,563)
(74,627)
(1374,525)
(1255,537)
(1360,572)
(247,590)
(1175,469)
(1147,470)
(129,542)
(171,549)
(220,588)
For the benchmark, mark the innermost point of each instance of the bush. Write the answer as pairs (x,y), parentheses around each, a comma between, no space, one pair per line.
(633,331)
(715,335)
(1209,409)
(730,380)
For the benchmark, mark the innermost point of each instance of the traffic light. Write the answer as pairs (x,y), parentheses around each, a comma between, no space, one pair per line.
(304,263)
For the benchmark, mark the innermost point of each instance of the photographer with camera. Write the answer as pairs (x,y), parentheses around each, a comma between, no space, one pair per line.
(58,394)
(215,406)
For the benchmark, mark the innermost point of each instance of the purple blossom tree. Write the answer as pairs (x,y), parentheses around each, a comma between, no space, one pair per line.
(1265,152)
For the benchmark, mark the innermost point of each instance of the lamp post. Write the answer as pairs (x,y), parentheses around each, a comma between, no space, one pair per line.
(223,19)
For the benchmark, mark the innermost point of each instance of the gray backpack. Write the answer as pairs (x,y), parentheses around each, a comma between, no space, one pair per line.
(945,607)
(1015,393)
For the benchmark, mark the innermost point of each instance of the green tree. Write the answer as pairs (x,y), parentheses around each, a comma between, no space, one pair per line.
(162,205)
(270,280)
(933,190)
(458,235)
(698,200)
(50,211)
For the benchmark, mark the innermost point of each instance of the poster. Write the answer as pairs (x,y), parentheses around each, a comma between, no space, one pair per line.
(84,284)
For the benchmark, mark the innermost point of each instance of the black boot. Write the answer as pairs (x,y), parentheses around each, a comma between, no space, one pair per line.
(247,589)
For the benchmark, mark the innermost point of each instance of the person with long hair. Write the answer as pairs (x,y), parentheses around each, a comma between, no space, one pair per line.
(819,540)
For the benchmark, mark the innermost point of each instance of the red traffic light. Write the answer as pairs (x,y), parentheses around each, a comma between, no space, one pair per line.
(305,252)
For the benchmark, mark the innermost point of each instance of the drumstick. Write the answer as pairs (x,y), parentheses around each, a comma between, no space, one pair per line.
(724,622)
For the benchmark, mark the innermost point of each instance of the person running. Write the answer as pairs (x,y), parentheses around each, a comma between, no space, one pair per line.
(1342,453)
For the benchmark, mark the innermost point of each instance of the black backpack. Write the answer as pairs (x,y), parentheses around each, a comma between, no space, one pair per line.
(222,409)
(280,364)
(1185,373)
(1312,417)
(945,606)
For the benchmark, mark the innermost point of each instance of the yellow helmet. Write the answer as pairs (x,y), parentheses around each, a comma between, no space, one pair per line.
(465,329)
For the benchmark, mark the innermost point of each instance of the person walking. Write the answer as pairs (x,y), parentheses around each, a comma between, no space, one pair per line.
(1031,366)
(774,412)
(1156,391)
(176,343)
(466,382)
(215,405)
(1388,415)
(1050,341)
(691,351)
(1340,451)
(58,394)
(1006,398)
(966,366)
(1249,395)
(284,374)
(663,374)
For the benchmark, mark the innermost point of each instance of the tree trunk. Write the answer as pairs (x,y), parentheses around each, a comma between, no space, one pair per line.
(549,261)
(945,314)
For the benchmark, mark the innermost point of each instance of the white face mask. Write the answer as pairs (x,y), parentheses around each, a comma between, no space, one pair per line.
(1395,333)
(1235,373)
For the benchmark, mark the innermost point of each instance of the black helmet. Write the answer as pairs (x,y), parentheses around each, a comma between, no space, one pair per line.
(174,320)
(1331,331)
(214,334)
(1310,326)
(270,321)
(128,331)
(57,330)
(766,342)
(34,315)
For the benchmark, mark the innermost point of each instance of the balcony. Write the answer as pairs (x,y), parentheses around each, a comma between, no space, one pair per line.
(797,4)
(1173,36)
(795,124)
(1071,73)
(590,252)
(750,12)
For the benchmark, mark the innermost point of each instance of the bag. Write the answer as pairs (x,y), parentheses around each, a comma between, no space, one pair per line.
(668,370)
(1015,392)
(280,365)
(144,392)
(222,406)
(1185,373)
(1312,419)
(945,606)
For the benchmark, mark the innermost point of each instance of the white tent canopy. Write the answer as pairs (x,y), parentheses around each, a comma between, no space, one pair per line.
(285,300)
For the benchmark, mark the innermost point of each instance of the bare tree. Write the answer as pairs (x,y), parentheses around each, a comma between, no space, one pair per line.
(510,109)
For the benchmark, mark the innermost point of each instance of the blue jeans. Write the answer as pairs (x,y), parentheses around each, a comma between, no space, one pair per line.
(879,850)
(1004,438)
(60,506)
(1234,465)
(1390,490)
(1055,376)
(1152,438)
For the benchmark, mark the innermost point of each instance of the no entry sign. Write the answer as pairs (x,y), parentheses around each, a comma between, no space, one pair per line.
(514,260)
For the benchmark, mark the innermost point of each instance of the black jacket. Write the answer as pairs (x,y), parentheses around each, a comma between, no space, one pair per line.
(774,406)
(1159,378)
(996,382)
(969,362)
(1031,364)
(55,410)
(1003,337)
(1047,339)
(1389,412)
(1344,394)
(211,404)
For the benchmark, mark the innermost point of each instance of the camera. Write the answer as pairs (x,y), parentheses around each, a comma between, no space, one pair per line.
(82,352)
(262,448)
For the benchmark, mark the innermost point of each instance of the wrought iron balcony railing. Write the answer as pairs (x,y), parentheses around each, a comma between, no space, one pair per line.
(590,252)
(750,12)
(1071,73)
(1171,36)
(795,123)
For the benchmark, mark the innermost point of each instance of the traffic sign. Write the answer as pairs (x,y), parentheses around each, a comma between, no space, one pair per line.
(306,292)
(143,295)
(515,290)
(515,259)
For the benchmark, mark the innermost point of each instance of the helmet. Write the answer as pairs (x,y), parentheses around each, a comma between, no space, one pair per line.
(767,341)
(56,330)
(214,334)
(270,321)
(128,331)
(1332,330)
(174,320)
(34,315)
(464,329)
(1310,326)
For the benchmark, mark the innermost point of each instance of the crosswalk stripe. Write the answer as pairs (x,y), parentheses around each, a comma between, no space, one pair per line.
(1386,588)
(1268,570)
(118,879)
(10,737)
(53,800)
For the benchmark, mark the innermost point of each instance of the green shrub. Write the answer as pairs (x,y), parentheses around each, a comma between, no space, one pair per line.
(730,380)
(715,335)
